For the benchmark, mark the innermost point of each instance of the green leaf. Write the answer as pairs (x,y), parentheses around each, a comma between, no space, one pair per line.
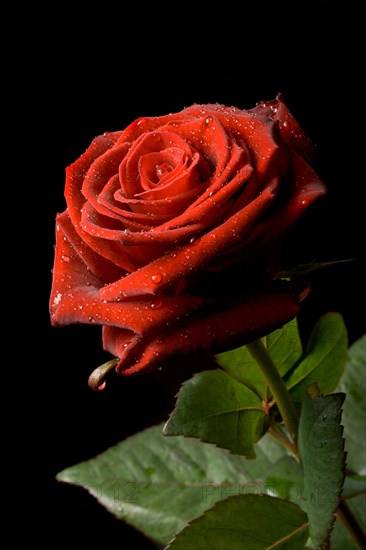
(285,480)
(321,449)
(353,384)
(284,346)
(158,484)
(354,485)
(215,408)
(324,359)
(340,539)
(303,269)
(246,521)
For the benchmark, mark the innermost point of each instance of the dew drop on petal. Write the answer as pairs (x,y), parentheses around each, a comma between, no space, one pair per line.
(65,258)
(91,320)
(157,278)
(102,386)
(194,240)
(157,304)
(57,299)
(208,119)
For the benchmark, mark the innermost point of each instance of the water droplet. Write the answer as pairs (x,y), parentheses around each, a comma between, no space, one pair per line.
(91,320)
(157,304)
(102,386)
(80,307)
(65,258)
(157,278)
(57,299)
(162,169)
(325,416)
(323,443)
(194,240)
(208,119)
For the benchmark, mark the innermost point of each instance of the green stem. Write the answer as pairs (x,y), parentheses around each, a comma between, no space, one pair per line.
(284,441)
(345,516)
(277,386)
(96,379)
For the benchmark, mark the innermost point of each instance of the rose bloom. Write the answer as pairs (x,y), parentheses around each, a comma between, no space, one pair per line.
(171,239)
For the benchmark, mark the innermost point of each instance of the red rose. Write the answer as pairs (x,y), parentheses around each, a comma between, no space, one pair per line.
(168,239)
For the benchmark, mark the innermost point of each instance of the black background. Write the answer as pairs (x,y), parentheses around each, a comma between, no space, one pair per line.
(84,78)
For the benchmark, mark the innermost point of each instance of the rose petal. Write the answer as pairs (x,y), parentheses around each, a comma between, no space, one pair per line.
(75,298)
(208,136)
(104,269)
(75,200)
(257,132)
(230,326)
(100,173)
(173,266)
(121,343)
(147,143)
(291,131)
(306,187)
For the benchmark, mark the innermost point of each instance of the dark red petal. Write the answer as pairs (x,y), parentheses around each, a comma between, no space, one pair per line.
(183,178)
(182,261)
(121,343)
(306,187)
(235,324)
(170,207)
(208,209)
(109,228)
(75,298)
(208,136)
(75,175)
(69,273)
(257,132)
(104,269)
(291,131)
(150,142)
(100,173)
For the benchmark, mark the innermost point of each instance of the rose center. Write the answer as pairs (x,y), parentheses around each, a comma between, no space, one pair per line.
(162,169)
